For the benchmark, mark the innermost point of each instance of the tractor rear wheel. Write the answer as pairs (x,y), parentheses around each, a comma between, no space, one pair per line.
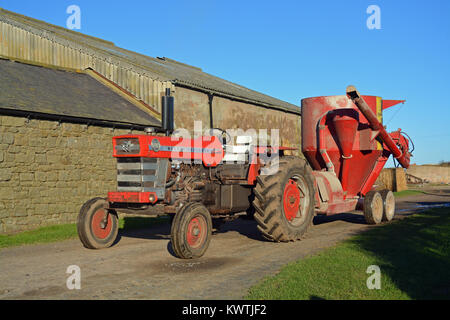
(284,201)
(388,205)
(373,207)
(97,226)
(191,231)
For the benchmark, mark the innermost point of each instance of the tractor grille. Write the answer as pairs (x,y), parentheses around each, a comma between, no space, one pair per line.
(136,174)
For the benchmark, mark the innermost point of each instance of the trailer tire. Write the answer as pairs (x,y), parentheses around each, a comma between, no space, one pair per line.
(373,207)
(388,205)
(191,231)
(284,201)
(92,234)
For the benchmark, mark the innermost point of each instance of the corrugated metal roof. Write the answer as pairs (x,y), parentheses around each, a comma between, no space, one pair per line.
(112,62)
(28,43)
(40,90)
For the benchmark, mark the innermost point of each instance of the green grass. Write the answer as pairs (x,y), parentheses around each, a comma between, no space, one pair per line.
(413,255)
(407,193)
(69,231)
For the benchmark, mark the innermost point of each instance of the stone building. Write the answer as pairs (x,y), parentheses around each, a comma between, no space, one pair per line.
(64,95)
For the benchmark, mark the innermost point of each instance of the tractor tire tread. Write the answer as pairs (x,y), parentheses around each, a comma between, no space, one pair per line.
(268,198)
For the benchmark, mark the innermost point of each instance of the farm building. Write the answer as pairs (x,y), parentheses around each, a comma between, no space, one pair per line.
(64,95)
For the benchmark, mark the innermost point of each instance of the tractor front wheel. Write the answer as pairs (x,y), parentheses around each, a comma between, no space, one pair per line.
(191,231)
(97,226)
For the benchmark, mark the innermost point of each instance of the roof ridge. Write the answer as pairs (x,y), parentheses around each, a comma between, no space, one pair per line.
(59,28)
(161,69)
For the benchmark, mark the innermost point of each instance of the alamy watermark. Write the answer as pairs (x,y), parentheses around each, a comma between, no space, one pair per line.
(74,20)
(374,20)
(74,280)
(374,280)
(239,146)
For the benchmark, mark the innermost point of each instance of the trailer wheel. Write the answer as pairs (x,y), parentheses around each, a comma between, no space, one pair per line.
(191,231)
(388,205)
(373,207)
(97,227)
(284,201)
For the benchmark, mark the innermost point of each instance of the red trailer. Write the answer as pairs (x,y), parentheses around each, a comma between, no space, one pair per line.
(347,147)
(343,140)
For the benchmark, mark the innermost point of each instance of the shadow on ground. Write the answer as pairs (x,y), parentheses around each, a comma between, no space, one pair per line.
(415,253)
(144,228)
(152,228)
(347,217)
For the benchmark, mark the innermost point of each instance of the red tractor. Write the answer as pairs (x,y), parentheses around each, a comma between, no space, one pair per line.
(201,182)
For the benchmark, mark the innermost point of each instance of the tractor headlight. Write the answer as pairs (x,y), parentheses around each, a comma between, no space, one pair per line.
(155,145)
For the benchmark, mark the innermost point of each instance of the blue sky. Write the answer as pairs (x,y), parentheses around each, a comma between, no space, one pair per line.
(294,49)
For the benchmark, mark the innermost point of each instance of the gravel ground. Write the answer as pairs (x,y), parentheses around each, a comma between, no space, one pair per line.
(141,265)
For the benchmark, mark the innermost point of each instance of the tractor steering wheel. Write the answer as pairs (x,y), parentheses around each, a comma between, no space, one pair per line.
(224,137)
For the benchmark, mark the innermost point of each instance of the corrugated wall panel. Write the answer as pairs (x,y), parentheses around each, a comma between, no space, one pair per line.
(20,44)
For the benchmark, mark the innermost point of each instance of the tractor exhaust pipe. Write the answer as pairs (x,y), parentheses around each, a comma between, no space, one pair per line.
(167,113)
(353,94)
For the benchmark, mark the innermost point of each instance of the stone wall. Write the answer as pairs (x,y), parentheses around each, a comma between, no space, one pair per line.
(433,174)
(49,169)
